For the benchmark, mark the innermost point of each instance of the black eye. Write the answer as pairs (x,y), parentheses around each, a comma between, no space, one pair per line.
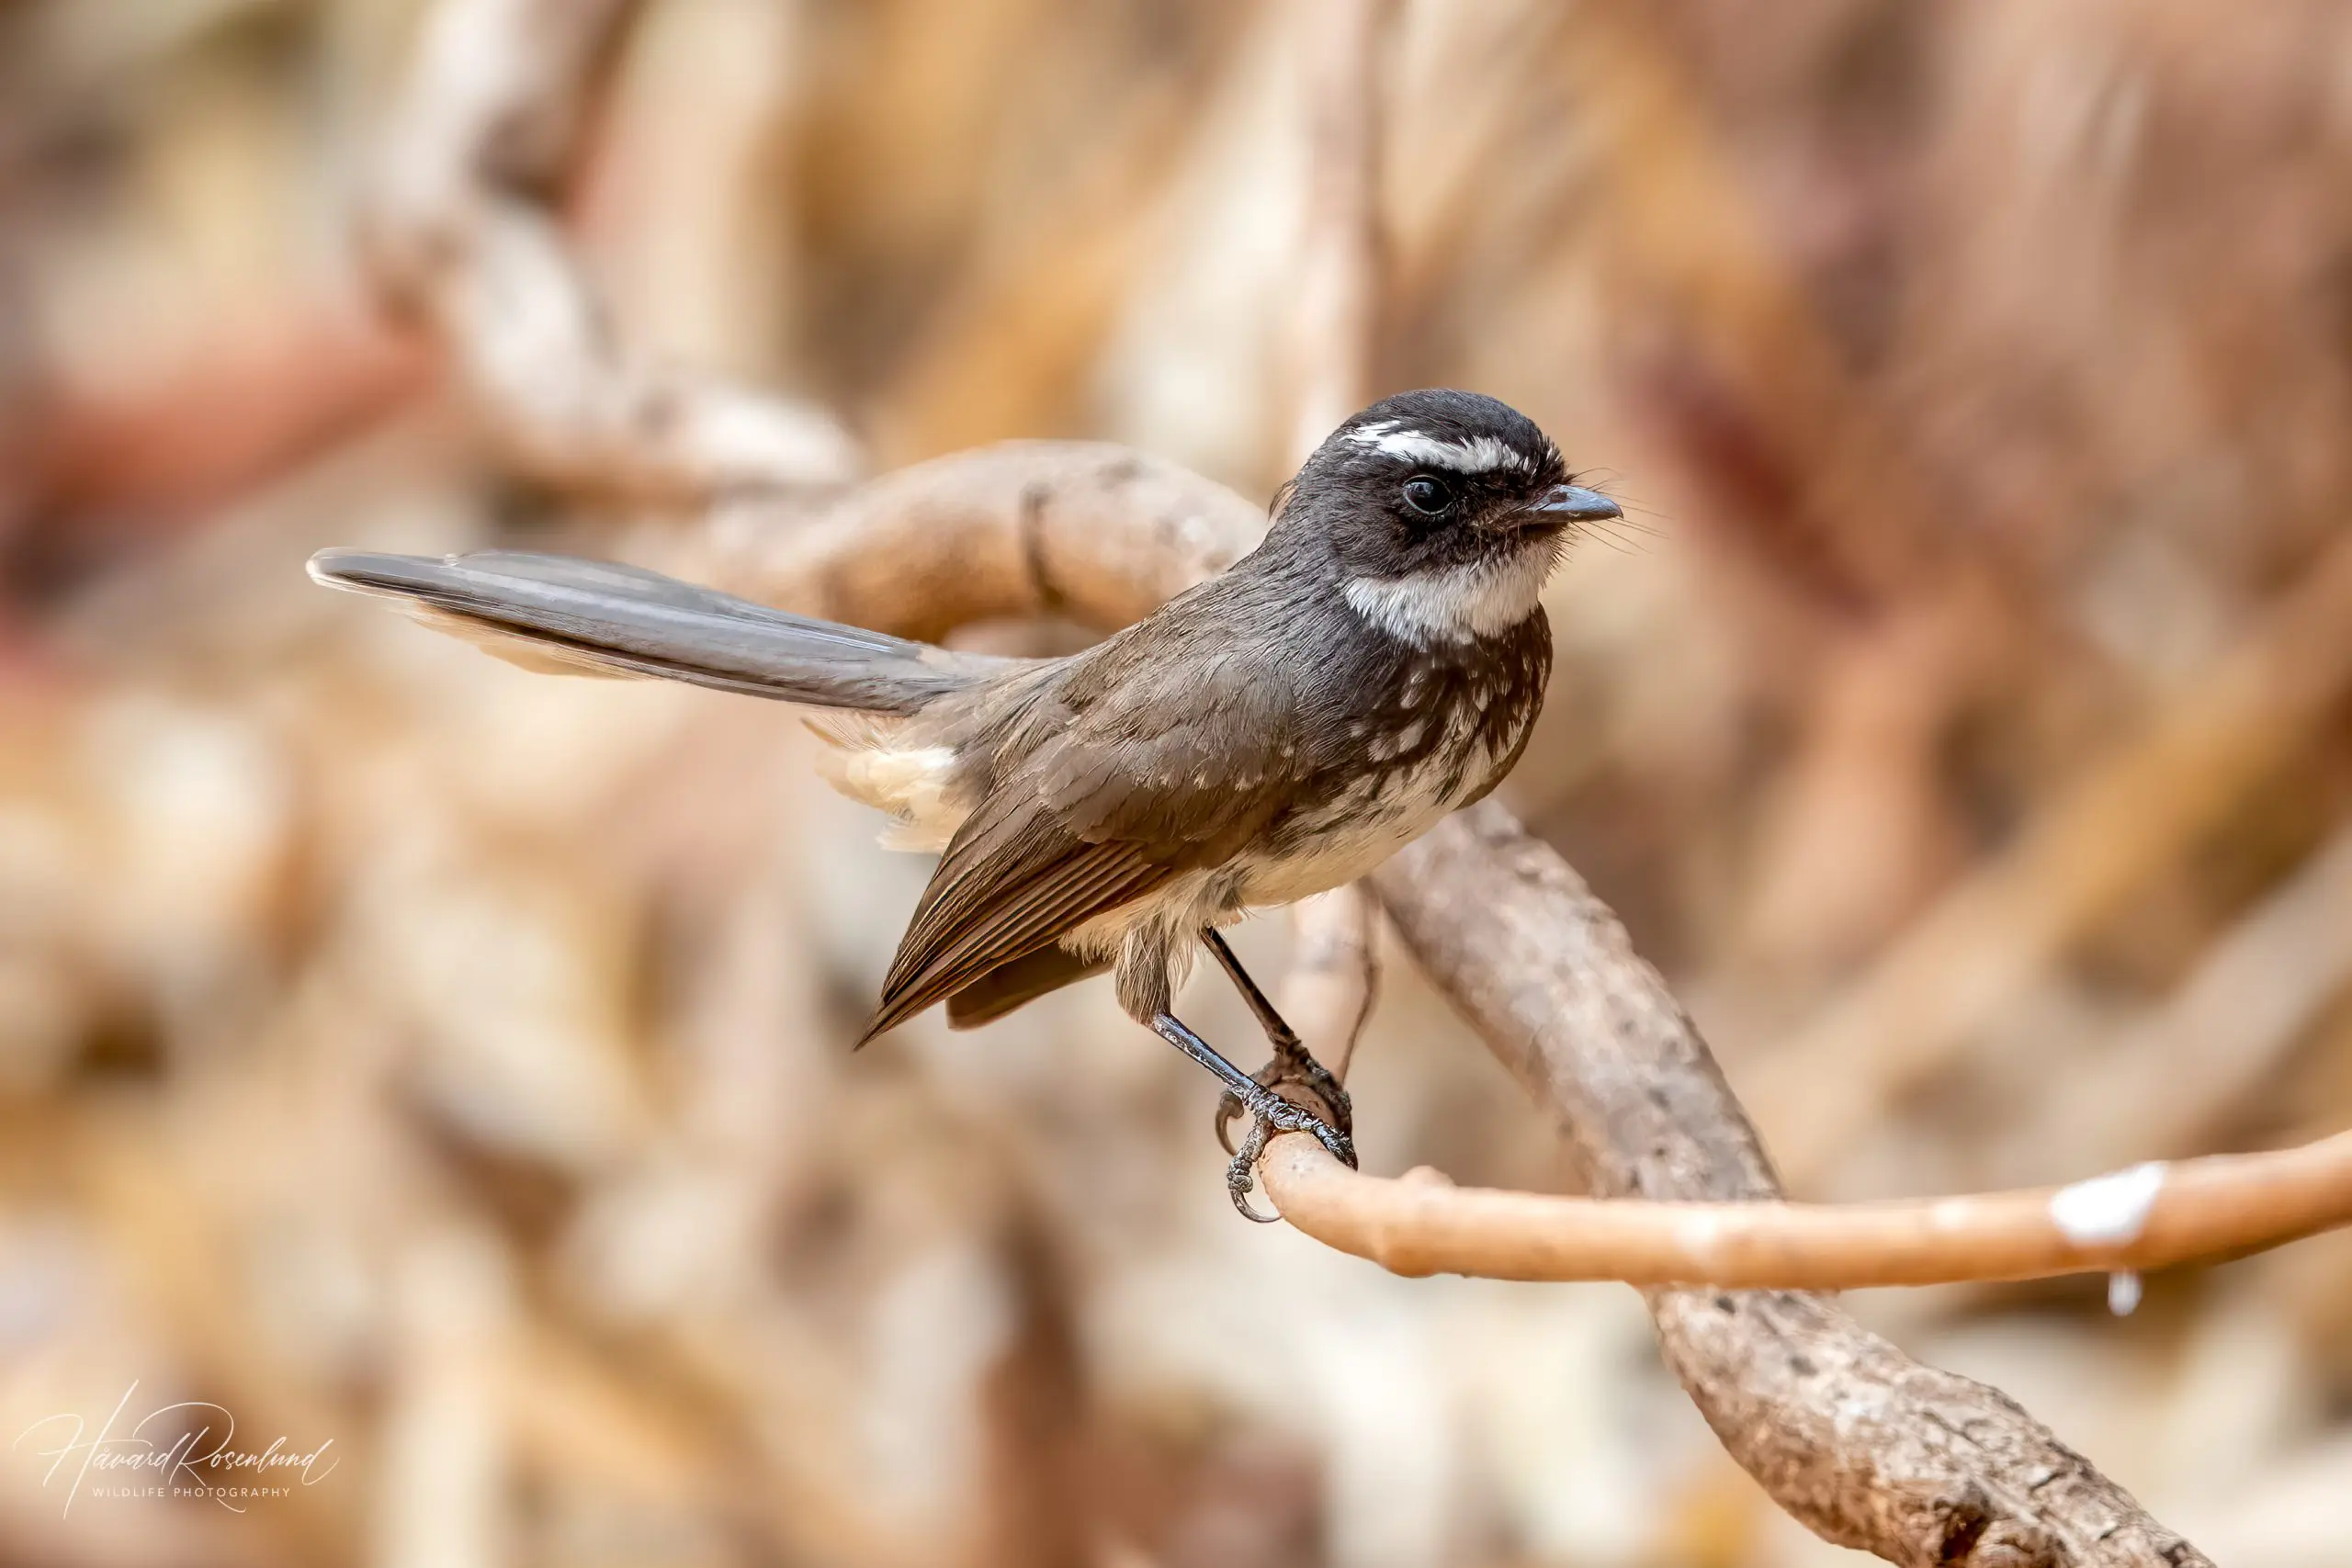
(1424,494)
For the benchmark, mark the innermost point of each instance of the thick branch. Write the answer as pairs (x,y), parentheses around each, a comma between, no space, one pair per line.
(1098,532)
(1866,1446)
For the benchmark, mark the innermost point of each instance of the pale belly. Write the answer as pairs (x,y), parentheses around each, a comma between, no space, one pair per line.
(1336,860)
(1362,834)
(1357,835)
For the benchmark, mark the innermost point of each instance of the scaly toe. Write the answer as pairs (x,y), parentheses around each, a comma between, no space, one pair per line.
(1294,1065)
(1293,1118)
(1242,1175)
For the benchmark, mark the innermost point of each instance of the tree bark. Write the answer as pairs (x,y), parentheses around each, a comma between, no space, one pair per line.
(1865,1445)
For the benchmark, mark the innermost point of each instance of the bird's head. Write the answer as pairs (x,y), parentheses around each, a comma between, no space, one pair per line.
(1444,512)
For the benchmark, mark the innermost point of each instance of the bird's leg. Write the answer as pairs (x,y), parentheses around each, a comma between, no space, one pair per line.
(1269,1113)
(1277,1032)
(1292,1063)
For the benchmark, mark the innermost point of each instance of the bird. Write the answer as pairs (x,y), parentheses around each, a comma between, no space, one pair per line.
(1280,729)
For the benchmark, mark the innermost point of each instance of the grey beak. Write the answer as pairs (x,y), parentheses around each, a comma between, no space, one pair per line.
(1577,505)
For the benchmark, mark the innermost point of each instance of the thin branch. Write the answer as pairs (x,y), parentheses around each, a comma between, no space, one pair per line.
(2150,1216)
(1864,1445)
(1334,974)
(457,235)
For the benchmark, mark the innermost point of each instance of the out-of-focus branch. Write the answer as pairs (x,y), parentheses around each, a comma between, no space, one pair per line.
(1334,973)
(2148,1217)
(1918,1006)
(2196,1060)
(1335,970)
(239,405)
(1867,1446)
(448,1446)
(1335,323)
(457,235)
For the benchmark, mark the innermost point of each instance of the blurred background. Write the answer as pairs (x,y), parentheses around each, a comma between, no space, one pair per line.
(399,1049)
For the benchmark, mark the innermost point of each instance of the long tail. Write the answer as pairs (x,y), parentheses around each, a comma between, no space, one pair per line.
(605,618)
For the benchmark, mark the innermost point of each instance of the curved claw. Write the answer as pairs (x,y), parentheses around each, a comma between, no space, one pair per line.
(1241,1196)
(1268,1111)
(1242,1175)
(1268,1116)
(1241,1202)
(1229,1106)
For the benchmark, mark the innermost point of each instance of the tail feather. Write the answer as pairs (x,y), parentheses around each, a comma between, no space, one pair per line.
(1017,983)
(616,619)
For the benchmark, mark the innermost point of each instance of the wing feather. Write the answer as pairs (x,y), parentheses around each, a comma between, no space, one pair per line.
(1166,748)
(1013,881)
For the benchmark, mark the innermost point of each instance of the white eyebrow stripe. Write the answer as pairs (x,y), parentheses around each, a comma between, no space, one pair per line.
(1479,454)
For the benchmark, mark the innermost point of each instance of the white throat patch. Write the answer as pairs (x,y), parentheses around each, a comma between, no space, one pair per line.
(1457,602)
(1478,455)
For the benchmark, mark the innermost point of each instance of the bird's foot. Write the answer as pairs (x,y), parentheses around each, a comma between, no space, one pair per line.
(1270,1111)
(1291,1065)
